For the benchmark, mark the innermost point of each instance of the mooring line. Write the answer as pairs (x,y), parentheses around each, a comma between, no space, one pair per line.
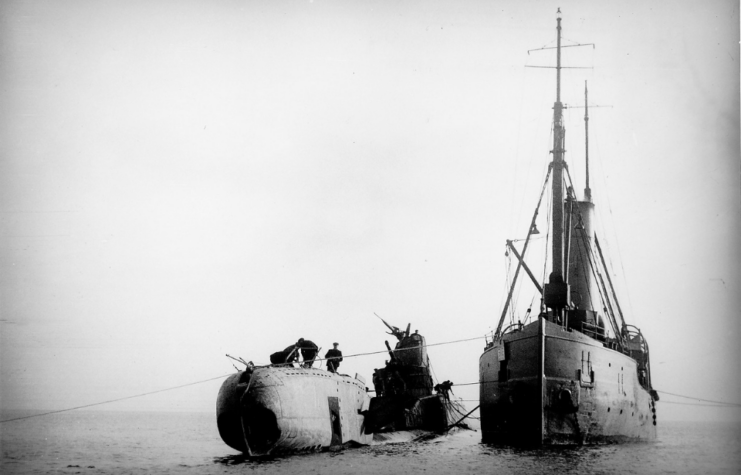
(714,403)
(114,400)
(699,399)
(212,379)
(380,351)
(700,404)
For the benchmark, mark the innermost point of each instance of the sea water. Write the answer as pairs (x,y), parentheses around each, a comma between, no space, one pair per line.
(98,442)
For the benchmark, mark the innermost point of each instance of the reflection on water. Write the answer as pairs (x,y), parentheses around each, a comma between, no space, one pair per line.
(231,459)
(170,443)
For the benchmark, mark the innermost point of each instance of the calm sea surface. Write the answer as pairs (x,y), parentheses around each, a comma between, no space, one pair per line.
(161,443)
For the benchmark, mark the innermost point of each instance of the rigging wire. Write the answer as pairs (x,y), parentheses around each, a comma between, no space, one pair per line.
(508,276)
(548,204)
(604,297)
(699,399)
(713,403)
(592,259)
(508,280)
(516,295)
(524,249)
(503,293)
(224,376)
(529,312)
(700,404)
(515,300)
(606,189)
(115,400)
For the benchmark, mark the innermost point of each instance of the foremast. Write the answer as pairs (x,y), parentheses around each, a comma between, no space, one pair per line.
(556,291)
(569,291)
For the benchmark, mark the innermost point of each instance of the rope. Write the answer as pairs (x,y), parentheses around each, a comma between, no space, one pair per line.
(698,399)
(220,377)
(524,251)
(702,405)
(383,351)
(715,403)
(592,260)
(461,419)
(113,400)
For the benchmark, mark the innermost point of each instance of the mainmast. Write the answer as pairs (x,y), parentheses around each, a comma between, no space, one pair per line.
(556,292)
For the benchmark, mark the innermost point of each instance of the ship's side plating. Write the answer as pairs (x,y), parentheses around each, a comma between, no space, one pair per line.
(586,392)
(285,409)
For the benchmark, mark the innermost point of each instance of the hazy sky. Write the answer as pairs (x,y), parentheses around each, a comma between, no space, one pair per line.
(182,180)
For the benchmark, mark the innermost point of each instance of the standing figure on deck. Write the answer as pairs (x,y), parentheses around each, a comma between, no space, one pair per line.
(378,382)
(308,351)
(394,383)
(333,356)
(444,388)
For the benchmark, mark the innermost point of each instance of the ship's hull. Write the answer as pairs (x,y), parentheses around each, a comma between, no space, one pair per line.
(547,385)
(405,412)
(282,410)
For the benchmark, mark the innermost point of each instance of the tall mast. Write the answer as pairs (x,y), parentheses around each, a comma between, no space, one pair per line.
(556,292)
(587,190)
(558,164)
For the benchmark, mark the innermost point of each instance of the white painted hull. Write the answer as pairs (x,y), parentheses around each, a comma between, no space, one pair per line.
(278,410)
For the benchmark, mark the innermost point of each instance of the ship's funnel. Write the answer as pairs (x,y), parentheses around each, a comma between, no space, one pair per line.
(580,275)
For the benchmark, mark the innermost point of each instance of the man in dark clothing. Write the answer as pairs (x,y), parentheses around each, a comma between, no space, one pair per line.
(308,351)
(333,356)
(378,382)
(445,387)
(394,383)
(277,358)
(285,357)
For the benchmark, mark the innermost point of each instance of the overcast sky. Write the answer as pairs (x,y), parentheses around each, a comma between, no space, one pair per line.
(182,180)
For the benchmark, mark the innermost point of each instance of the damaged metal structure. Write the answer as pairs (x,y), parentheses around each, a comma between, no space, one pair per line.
(277,409)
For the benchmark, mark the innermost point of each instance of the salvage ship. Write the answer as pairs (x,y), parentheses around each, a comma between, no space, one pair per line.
(282,408)
(572,375)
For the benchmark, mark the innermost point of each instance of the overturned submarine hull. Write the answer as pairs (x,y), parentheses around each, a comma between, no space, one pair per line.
(272,410)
